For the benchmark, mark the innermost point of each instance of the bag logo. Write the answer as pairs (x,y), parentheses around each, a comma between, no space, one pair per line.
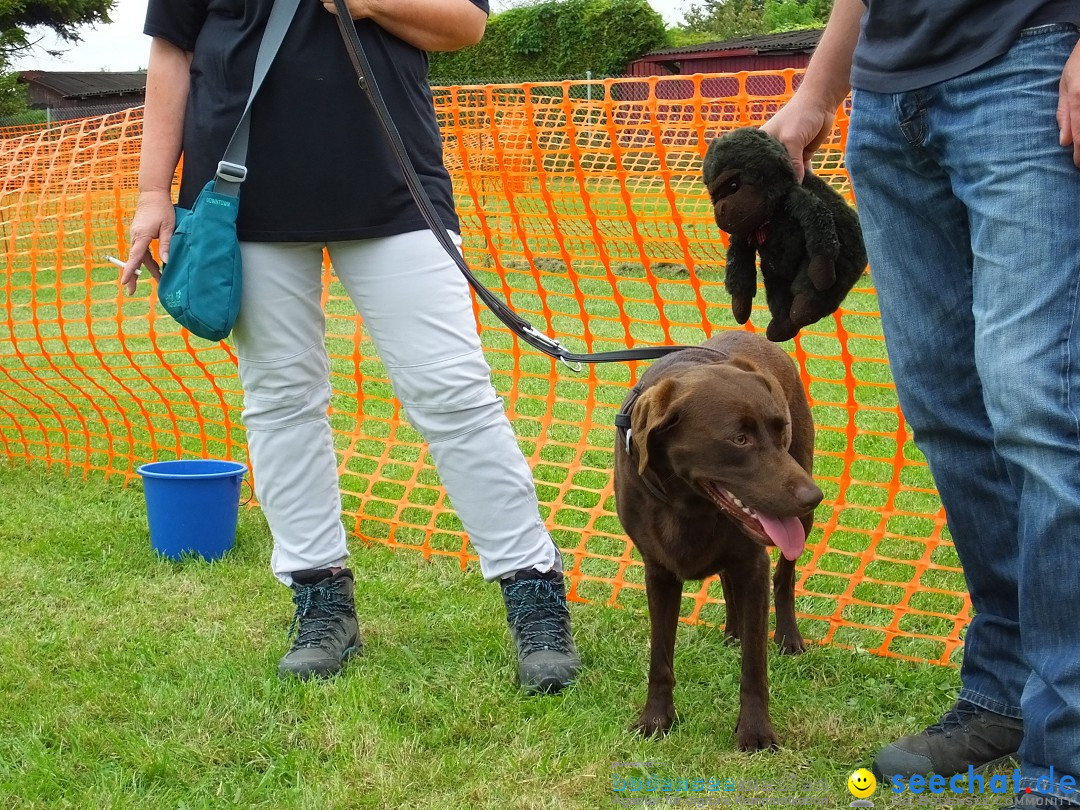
(174,299)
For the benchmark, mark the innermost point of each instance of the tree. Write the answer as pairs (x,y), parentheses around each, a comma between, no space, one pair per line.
(13,99)
(19,17)
(712,20)
(556,38)
(63,17)
(791,15)
(499,6)
(724,19)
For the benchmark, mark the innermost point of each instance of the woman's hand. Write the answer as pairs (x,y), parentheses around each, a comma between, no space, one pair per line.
(358,9)
(430,25)
(167,79)
(154,218)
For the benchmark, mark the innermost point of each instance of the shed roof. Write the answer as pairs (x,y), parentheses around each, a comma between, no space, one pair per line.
(87,84)
(802,41)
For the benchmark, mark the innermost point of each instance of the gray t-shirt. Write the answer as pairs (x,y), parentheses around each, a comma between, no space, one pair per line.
(908,44)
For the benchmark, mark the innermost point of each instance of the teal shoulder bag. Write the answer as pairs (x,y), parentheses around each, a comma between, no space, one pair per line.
(200,285)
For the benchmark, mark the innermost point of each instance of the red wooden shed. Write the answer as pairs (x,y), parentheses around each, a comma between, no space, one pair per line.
(790,49)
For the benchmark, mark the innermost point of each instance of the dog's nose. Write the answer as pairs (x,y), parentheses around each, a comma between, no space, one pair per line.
(808,496)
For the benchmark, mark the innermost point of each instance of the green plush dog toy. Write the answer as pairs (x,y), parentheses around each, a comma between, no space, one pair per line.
(808,236)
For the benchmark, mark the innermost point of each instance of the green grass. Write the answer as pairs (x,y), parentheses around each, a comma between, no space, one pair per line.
(132,681)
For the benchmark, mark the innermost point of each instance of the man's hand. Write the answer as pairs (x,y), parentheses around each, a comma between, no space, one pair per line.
(1068,109)
(807,119)
(801,126)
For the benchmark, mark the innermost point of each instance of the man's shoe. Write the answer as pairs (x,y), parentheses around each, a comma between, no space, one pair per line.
(327,632)
(540,627)
(966,735)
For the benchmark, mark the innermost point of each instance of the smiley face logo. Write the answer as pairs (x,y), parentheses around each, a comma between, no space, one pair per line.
(862,783)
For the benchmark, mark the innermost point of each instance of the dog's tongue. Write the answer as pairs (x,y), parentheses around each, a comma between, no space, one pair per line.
(786,533)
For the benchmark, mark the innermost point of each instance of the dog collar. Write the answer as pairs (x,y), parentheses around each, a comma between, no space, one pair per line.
(622,418)
(622,422)
(757,238)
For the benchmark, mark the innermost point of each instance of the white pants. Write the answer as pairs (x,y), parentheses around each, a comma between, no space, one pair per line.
(416,305)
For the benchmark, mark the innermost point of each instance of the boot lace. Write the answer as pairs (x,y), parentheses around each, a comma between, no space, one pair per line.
(956,719)
(538,616)
(318,608)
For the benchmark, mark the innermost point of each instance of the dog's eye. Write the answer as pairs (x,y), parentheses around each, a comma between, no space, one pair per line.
(740,440)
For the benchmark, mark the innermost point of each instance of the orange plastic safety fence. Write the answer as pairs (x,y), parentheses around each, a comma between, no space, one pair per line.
(581,203)
(18,130)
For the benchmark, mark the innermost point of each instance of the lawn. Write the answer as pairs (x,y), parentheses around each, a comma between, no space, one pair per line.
(133,681)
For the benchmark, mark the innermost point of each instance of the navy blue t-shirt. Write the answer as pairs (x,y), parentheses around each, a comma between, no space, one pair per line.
(319,165)
(907,44)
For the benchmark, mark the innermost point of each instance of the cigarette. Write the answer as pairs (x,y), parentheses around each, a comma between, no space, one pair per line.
(118,263)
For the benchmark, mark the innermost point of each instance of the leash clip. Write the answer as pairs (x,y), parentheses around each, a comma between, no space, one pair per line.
(557,348)
(531,331)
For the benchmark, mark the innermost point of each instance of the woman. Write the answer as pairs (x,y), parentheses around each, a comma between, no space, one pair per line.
(321,175)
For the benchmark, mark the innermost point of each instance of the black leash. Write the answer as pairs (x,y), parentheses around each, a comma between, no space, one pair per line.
(518,325)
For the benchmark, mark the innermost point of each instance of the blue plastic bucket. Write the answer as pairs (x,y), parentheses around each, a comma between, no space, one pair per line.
(192,505)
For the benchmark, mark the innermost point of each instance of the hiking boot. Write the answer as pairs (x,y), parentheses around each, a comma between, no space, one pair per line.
(966,735)
(540,627)
(327,632)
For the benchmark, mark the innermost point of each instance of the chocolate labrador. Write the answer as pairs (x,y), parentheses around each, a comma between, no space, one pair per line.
(714,451)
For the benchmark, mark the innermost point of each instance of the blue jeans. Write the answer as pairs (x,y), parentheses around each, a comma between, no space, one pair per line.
(971,214)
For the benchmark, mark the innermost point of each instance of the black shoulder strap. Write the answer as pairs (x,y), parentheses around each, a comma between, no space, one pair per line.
(518,325)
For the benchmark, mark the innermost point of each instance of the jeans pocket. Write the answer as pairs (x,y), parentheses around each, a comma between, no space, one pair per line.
(1048,29)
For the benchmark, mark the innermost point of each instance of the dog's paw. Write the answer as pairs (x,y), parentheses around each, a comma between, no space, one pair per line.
(756,736)
(654,723)
(790,643)
(731,637)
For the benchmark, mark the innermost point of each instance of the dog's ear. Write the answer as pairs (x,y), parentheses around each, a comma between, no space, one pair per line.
(745,364)
(772,385)
(654,412)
